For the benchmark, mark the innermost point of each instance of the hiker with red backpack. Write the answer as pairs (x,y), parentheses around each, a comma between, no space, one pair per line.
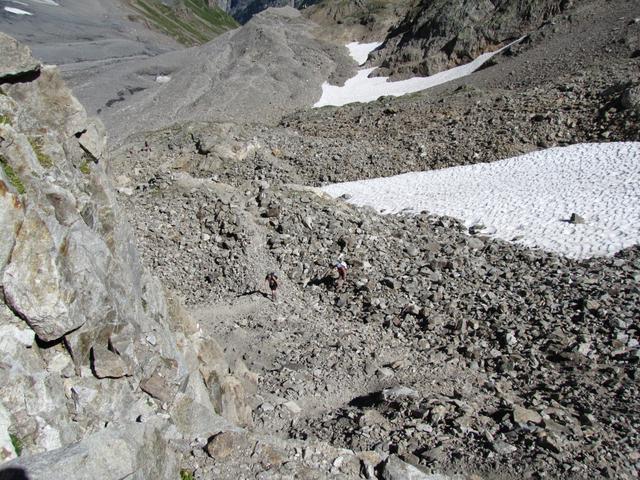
(342,267)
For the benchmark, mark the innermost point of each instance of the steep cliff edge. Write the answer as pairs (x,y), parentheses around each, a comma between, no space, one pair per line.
(102,373)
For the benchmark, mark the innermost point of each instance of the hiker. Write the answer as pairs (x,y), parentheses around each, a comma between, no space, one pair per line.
(342,272)
(272,280)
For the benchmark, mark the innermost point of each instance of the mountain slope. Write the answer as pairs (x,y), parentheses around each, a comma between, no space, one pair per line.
(363,20)
(190,22)
(272,65)
(243,10)
(439,34)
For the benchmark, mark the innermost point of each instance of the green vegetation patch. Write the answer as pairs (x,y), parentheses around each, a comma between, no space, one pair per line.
(84,167)
(5,120)
(191,23)
(44,159)
(12,176)
(186,475)
(17,444)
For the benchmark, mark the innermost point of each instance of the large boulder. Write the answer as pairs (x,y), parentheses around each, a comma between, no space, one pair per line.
(135,451)
(16,59)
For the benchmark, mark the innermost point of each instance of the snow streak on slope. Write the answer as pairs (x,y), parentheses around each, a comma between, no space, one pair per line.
(17,11)
(527,199)
(361,88)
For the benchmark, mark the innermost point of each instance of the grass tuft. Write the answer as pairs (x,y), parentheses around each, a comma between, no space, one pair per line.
(84,167)
(12,176)
(17,444)
(5,120)
(186,475)
(44,159)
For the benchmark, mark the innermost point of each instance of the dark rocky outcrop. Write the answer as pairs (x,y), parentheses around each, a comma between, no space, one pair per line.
(243,10)
(358,21)
(439,34)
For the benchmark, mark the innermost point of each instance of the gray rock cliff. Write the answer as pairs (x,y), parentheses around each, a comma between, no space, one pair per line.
(88,338)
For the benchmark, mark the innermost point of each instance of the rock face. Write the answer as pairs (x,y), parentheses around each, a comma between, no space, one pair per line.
(83,326)
(358,21)
(437,35)
(243,10)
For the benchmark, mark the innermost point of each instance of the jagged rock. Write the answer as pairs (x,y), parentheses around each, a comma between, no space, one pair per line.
(396,469)
(7,450)
(107,364)
(223,445)
(522,416)
(399,393)
(157,386)
(232,403)
(631,98)
(136,450)
(293,407)
(11,215)
(576,219)
(16,58)
(71,275)
(503,448)
(94,139)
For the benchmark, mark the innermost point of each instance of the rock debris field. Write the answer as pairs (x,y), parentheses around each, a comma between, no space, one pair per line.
(448,350)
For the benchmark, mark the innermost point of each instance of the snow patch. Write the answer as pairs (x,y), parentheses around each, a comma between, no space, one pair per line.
(361,88)
(527,199)
(163,79)
(360,51)
(17,11)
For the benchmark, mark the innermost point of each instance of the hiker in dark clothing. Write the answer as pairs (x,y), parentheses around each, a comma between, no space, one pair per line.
(272,280)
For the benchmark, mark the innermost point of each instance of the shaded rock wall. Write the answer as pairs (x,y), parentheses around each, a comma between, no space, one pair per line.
(87,337)
(438,34)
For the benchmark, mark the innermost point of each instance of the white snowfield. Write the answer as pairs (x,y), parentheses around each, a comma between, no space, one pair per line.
(527,199)
(363,89)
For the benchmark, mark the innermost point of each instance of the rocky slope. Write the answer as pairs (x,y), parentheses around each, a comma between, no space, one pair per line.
(243,10)
(79,34)
(365,21)
(224,80)
(457,354)
(96,357)
(437,35)
(445,355)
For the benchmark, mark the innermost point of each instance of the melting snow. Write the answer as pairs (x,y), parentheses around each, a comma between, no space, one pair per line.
(17,11)
(361,88)
(527,199)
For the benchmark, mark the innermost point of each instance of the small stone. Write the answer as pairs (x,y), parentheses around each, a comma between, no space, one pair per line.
(399,392)
(576,219)
(503,448)
(522,416)
(224,444)
(293,407)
